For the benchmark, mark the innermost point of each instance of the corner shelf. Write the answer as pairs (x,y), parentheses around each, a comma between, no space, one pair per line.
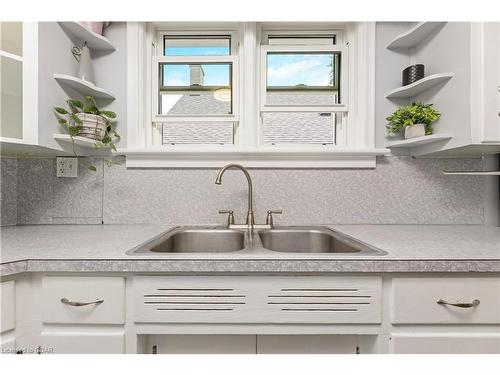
(414,36)
(472,173)
(83,87)
(419,141)
(79,141)
(80,34)
(420,86)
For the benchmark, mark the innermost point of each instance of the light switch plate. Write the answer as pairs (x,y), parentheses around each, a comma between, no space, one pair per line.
(66,167)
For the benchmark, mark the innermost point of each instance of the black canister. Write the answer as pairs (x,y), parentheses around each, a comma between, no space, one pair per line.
(413,73)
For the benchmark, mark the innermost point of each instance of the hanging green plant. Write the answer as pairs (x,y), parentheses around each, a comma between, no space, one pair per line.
(85,119)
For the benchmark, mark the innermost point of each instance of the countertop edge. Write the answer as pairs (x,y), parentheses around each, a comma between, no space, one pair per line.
(231,266)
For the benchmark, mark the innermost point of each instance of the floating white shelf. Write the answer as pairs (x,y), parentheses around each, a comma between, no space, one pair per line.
(473,173)
(80,34)
(79,141)
(414,36)
(420,86)
(83,87)
(414,142)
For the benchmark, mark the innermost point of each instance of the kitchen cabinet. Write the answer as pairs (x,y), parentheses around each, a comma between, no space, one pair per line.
(349,313)
(468,96)
(83,314)
(446,343)
(8,316)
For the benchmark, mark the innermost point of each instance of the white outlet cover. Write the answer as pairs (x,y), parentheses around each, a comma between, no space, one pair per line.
(66,167)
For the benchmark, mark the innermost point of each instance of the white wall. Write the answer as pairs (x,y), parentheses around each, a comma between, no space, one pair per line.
(448,50)
(388,70)
(55,56)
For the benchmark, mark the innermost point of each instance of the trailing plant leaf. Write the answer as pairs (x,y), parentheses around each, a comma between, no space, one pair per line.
(75,103)
(109,114)
(73,130)
(75,119)
(62,121)
(61,111)
(92,168)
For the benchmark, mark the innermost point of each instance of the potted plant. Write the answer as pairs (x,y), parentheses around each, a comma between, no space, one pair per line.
(85,119)
(416,119)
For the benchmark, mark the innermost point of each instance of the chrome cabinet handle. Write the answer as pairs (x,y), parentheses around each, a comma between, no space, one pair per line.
(72,303)
(474,303)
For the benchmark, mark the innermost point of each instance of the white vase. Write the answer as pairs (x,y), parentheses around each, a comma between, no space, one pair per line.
(414,131)
(85,69)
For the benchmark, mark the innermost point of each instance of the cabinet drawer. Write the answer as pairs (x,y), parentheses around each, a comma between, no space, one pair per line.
(8,305)
(414,300)
(83,343)
(445,343)
(257,299)
(83,290)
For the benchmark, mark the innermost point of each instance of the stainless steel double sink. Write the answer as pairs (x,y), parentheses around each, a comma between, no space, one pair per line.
(300,240)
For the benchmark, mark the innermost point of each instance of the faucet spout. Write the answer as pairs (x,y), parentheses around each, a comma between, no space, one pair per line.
(218,181)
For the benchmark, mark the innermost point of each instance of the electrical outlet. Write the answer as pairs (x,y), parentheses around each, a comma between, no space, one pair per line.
(67,167)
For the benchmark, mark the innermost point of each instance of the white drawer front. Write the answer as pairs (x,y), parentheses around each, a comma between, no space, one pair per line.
(8,305)
(84,289)
(257,299)
(414,300)
(446,344)
(83,343)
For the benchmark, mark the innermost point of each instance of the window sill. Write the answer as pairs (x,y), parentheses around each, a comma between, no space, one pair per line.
(311,158)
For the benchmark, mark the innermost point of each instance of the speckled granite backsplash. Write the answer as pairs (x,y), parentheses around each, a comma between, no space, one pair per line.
(400,190)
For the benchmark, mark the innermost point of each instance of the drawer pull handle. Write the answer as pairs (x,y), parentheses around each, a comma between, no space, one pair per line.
(474,303)
(71,303)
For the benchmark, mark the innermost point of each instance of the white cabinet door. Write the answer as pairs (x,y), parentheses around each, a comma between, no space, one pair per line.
(200,344)
(485,82)
(430,343)
(83,343)
(306,344)
(8,306)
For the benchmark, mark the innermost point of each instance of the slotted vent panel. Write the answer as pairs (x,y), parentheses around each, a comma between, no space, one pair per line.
(257,299)
(319,299)
(194,299)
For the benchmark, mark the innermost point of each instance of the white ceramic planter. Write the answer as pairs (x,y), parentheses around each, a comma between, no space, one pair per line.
(414,131)
(96,27)
(93,126)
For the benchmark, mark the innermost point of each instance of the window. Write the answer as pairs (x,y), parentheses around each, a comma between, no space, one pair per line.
(195,90)
(303,90)
(262,94)
(11,80)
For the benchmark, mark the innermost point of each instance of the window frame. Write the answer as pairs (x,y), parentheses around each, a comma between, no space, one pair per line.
(357,150)
(159,58)
(344,78)
(320,46)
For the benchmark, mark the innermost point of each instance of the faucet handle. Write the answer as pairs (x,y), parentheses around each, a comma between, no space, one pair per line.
(269,218)
(230,217)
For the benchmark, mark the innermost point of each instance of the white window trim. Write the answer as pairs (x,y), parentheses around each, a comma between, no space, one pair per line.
(202,59)
(359,152)
(344,84)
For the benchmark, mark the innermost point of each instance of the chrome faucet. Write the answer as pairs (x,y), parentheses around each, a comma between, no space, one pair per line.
(250,222)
